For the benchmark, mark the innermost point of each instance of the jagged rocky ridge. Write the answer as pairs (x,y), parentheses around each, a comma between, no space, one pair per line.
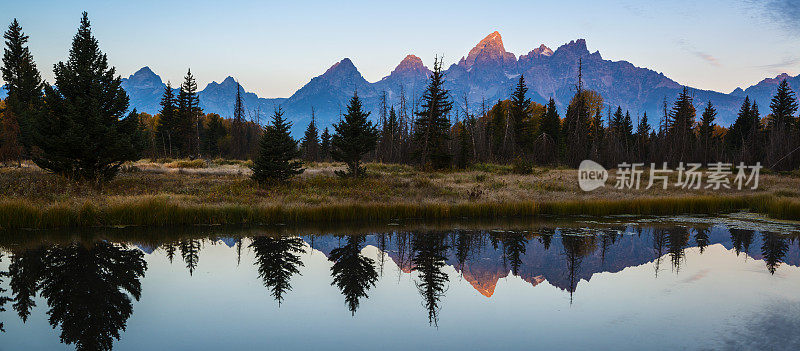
(487,72)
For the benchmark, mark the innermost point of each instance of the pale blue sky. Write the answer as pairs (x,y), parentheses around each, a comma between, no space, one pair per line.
(275,47)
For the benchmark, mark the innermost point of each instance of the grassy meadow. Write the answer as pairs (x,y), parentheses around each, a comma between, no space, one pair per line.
(176,192)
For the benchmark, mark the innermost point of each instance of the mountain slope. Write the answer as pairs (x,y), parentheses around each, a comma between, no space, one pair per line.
(487,73)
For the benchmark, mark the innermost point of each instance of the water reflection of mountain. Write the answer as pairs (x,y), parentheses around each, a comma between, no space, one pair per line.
(489,257)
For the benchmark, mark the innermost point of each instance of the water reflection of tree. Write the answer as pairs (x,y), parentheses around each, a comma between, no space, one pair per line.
(239,251)
(190,253)
(774,247)
(701,238)
(353,273)
(462,243)
(3,298)
(170,249)
(25,271)
(514,247)
(576,247)
(741,240)
(88,289)
(383,239)
(660,240)
(277,260)
(546,237)
(402,252)
(429,259)
(607,239)
(678,240)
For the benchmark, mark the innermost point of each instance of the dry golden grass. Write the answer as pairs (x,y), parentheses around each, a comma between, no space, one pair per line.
(152,193)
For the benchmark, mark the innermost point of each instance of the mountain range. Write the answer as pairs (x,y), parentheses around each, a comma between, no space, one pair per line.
(487,73)
(486,265)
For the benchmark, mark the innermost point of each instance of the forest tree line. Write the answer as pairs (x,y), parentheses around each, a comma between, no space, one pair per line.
(80,126)
(442,133)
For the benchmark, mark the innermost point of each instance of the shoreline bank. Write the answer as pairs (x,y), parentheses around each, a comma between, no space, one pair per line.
(163,211)
(149,194)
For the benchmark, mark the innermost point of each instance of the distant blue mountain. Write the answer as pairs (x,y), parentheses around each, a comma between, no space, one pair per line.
(229,242)
(146,248)
(145,89)
(488,73)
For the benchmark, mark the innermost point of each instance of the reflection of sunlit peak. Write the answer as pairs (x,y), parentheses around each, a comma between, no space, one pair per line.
(483,281)
(534,281)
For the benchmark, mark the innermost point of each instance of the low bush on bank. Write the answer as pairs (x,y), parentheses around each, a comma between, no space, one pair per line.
(199,163)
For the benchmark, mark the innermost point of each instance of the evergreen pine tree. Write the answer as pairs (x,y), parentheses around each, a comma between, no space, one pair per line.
(355,137)
(545,146)
(619,136)
(275,162)
(706,131)
(497,127)
(576,144)
(551,122)
(755,140)
(643,138)
(597,136)
(23,82)
(681,131)
(782,129)
(519,107)
(617,122)
(84,133)
(432,125)
(310,142)
(627,129)
(10,148)
(214,132)
(392,133)
(168,123)
(740,128)
(325,145)
(189,115)
(784,106)
(464,147)
(238,134)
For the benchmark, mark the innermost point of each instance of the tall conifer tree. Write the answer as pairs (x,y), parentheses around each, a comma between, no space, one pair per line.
(519,107)
(432,125)
(325,145)
(706,131)
(310,142)
(275,162)
(168,123)
(23,82)
(784,106)
(741,127)
(189,115)
(576,124)
(355,137)
(551,121)
(239,143)
(782,129)
(84,133)
(681,130)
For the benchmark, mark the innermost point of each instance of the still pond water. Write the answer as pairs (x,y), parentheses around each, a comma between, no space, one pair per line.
(623,284)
